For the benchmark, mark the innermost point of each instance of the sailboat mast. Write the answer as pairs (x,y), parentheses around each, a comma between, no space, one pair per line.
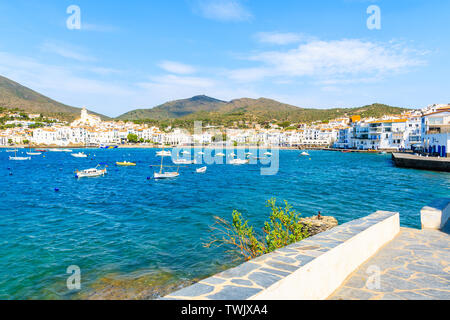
(162,158)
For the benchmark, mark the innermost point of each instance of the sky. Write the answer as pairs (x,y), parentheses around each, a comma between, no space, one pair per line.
(123,55)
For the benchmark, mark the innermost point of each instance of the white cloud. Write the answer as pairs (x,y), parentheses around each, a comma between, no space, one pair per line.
(223,10)
(63,84)
(66,51)
(338,60)
(176,67)
(280,38)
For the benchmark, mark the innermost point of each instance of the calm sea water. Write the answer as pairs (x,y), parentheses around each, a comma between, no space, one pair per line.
(127,233)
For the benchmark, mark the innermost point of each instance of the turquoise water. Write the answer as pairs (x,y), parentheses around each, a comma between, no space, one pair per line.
(123,226)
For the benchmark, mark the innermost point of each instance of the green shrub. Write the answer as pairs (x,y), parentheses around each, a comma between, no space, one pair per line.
(282,229)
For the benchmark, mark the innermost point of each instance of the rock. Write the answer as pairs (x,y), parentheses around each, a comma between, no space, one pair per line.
(319,224)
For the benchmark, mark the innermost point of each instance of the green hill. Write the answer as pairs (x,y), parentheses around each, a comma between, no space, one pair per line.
(175,109)
(217,112)
(15,96)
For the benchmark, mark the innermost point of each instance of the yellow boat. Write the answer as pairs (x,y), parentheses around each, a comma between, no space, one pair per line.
(126,164)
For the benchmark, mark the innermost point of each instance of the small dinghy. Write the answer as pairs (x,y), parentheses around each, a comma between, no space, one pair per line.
(201,170)
(238,161)
(306,154)
(126,164)
(79,155)
(90,173)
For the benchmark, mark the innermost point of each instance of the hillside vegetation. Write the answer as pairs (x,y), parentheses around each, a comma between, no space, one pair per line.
(216,112)
(15,96)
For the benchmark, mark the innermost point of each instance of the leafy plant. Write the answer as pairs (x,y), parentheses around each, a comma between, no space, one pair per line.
(282,229)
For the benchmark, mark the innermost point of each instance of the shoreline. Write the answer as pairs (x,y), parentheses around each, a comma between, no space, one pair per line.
(129,146)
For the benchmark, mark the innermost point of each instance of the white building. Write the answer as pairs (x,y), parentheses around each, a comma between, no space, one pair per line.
(436,132)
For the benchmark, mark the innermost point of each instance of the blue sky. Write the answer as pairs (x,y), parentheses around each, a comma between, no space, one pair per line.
(318,54)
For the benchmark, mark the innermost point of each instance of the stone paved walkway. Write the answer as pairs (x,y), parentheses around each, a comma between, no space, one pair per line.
(415,265)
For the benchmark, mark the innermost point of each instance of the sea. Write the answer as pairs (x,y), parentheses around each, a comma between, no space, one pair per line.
(133,237)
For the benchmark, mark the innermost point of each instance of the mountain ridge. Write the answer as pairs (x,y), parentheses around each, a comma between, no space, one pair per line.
(248,109)
(13,95)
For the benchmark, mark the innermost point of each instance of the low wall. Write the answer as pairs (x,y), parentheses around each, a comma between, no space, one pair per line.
(421,162)
(310,269)
(436,214)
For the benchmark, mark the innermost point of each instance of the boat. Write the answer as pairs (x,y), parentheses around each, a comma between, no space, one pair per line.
(126,164)
(16,158)
(163,153)
(56,150)
(201,153)
(304,153)
(67,150)
(41,150)
(185,152)
(90,173)
(220,154)
(239,161)
(267,154)
(161,174)
(383,153)
(79,155)
(201,170)
(102,146)
(13,150)
(165,175)
(184,161)
(31,153)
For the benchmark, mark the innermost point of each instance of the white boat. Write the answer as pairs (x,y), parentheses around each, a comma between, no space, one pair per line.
(165,175)
(89,173)
(239,161)
(220,154)
(19,158)
(163,153)
(184,161)
(67,150)
(201,153)
(56,150)
(14,150)
(305,154)
(267,154)
(34,153)
(16,158)
(233,155)
(185,152)
(161,174)
(201,170)
(79,155)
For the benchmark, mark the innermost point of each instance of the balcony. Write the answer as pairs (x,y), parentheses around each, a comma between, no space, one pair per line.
(437,129)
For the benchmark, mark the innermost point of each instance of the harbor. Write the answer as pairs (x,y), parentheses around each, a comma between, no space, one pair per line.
(421,162)
(115,226)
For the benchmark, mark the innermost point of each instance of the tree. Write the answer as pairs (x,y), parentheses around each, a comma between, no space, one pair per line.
(133,138)
(10,141)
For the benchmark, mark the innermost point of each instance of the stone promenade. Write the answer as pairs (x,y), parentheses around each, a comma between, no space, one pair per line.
(415,265)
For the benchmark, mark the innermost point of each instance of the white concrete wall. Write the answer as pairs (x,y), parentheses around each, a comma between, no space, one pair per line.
(435,215)
(322,276)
